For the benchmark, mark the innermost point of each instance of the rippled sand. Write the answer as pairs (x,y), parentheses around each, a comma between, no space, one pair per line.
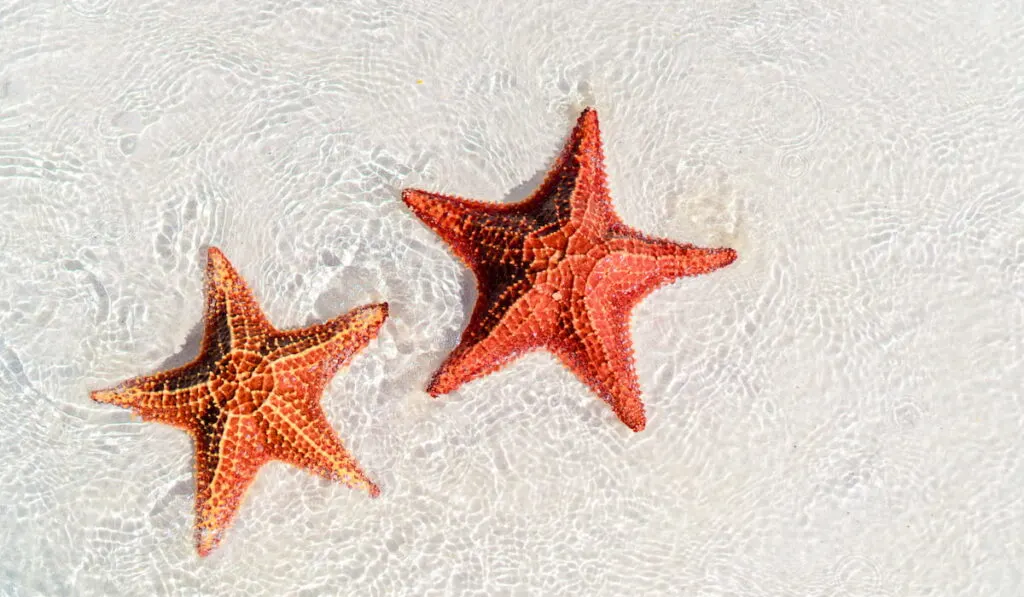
(837,413)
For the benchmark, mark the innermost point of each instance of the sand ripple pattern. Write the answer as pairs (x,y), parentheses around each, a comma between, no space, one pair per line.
(836,414)
(788,116)
(90,8)
(857,576)
(792,164)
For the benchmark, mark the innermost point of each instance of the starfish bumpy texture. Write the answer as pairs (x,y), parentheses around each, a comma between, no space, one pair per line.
(252,396)
(558,271)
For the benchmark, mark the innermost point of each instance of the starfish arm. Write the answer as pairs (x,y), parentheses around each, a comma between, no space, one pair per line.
(314,354)
(296,431)
(636,265)
(227,461)
(494,339)
(233,317)
(575,191)
(478,233)
(599,352)
(174,397)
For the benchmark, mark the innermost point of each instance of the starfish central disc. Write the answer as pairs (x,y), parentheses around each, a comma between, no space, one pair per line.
(558,271)
(243,384)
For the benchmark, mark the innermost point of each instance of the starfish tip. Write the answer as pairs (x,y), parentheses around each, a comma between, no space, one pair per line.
(635,422)
(444,381)
(632,415)
(412,197)
(726,256)
(218,268)
(368,318)
(422,203)
(215,254)
(103,396)
(374,315)
(206,542)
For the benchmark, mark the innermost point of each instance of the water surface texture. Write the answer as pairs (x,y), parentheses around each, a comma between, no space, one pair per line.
(838,413)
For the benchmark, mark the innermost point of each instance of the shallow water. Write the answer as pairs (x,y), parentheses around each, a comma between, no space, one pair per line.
(837,413)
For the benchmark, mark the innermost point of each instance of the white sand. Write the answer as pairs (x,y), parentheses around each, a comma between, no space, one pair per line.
(839,413)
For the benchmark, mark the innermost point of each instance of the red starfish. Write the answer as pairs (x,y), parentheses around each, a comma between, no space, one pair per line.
(251,396)
(558,271)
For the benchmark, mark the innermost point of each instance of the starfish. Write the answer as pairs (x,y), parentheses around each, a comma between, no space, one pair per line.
(252,396)
(558,271)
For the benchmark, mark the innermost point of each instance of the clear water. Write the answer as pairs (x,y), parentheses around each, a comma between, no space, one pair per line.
(837,413)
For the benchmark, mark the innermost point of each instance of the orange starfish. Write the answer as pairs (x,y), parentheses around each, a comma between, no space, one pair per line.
(251,396)
(558,271)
